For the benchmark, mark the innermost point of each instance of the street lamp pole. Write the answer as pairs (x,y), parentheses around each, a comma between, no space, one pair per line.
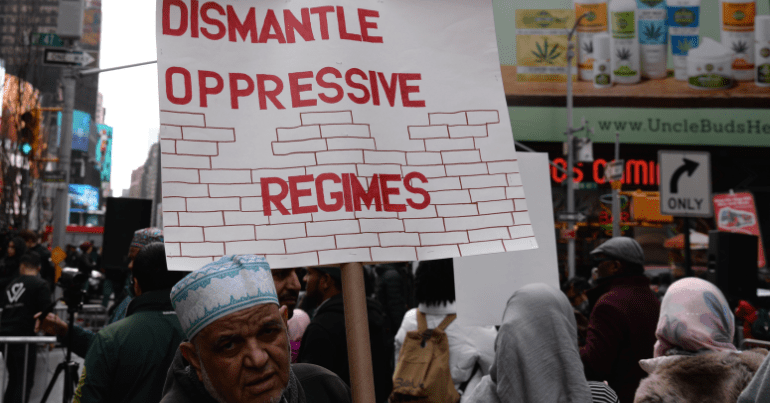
(571,150)
(61,205)
(616,193)
(61,209)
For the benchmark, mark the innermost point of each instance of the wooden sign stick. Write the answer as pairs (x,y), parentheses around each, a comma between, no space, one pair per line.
(357,333)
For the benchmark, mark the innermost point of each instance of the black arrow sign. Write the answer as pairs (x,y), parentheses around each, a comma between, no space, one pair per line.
(689,167)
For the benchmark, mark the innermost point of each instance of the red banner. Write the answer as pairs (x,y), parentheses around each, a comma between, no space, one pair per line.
(737,212)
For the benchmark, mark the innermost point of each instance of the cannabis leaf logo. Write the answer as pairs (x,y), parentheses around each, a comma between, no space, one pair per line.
(545,54)
(588,47)
(684,45)
(653,32)
(740,47)
(623,54)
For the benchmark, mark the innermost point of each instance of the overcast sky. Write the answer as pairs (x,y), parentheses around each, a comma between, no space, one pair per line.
(130,95)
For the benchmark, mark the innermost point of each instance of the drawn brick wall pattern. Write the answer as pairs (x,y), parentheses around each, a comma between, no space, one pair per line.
(477,206)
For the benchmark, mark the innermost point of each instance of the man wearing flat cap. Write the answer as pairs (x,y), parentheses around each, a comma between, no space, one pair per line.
(237,346)
(621,328)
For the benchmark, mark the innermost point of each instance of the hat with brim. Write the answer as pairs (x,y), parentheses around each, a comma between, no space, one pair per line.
(621,248)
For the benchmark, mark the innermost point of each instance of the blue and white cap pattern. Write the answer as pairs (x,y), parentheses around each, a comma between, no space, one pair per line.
(231,284)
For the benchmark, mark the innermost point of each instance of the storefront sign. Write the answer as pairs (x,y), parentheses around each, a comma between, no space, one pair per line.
(637,172)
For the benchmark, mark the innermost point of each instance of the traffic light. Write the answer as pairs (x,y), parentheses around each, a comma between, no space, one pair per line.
(27,138)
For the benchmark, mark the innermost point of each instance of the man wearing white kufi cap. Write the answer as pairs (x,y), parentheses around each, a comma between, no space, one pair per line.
(237,347)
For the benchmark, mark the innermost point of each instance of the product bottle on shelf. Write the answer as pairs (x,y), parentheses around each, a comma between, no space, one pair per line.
(709,66)
(601,73)
(653,38)
(683,27)
(624,42)
(737,20)
(762,50)
(594,23)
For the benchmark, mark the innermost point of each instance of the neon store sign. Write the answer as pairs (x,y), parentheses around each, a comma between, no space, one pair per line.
(637,172)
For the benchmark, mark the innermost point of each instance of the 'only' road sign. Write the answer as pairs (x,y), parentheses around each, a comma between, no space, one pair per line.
(685,183)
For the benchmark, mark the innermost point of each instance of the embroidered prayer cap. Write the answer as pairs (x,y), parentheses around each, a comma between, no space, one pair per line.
(231,284)
(146,236)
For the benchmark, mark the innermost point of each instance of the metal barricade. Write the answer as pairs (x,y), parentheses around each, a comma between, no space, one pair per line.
(27,341)
(751,343)
(92,317)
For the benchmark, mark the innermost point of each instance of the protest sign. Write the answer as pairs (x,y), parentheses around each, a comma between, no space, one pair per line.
(737,212)
(322,134)
(496,277)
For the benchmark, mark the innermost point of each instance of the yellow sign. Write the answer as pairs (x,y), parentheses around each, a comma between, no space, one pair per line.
(541,45)
(58,255)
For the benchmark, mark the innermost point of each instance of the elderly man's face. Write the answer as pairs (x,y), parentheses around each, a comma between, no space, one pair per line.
(243,357)
(287,286)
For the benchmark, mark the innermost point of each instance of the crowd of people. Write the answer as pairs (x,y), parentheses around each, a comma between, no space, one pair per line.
(237,331)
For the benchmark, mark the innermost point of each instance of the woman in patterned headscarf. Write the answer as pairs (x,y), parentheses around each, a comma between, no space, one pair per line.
(694,358)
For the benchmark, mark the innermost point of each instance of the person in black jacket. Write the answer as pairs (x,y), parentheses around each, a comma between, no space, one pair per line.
(20,299)
(325,343)
(85,262)
(32,240)
(9,269)
(392,292)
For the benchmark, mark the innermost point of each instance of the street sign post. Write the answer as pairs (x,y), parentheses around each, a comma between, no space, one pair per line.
(685,183)
(614,170)
(571,216)
(685,190)
(45,39)
(568,233)
(53,176)
(66,58)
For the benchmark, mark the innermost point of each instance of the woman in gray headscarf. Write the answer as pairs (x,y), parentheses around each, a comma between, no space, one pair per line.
(536,354)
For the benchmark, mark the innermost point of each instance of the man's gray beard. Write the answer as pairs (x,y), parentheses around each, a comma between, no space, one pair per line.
(208,385)
(216,396)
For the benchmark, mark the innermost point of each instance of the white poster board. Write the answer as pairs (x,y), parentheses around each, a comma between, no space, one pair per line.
(311,133)
(488,281)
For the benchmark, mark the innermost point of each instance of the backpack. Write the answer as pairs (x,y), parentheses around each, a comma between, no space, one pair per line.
(422,371)
(760,329)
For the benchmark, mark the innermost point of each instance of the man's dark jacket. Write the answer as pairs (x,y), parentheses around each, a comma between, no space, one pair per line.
(392,293)
(128,360)
(46,268)
(324,343)
(307,384)
(621,331)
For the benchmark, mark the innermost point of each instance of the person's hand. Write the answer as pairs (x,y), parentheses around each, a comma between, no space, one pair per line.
(51,325)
